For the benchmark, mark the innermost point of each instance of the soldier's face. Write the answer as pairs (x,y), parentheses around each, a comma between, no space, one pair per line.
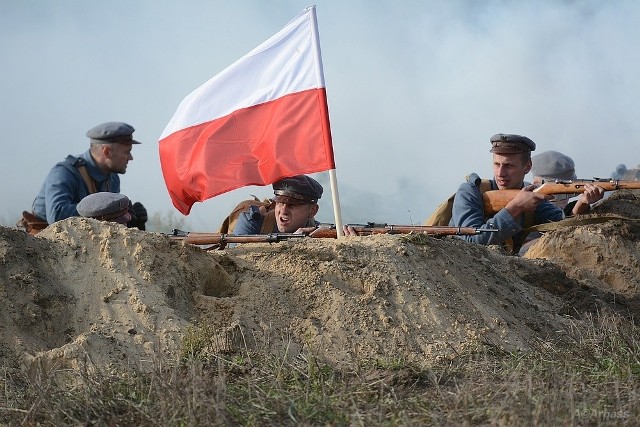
(118,157)
(291,217)
(509,170)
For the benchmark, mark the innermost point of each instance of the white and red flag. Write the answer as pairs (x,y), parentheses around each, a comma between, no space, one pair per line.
(263,118)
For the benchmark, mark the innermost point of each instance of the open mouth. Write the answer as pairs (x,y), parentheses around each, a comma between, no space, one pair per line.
(284,219)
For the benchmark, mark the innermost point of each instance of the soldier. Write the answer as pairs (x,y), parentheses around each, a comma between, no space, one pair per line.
(551,165)
(296,204)
(96,170)
(511,162)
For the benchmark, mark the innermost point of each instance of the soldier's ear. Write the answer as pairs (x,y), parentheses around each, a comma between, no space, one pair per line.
(314,210)
(106,150)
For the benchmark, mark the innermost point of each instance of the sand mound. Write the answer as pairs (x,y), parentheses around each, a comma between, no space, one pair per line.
(86,291)
(603,255)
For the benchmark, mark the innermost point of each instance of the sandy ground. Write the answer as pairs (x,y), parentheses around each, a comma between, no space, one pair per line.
(87,293)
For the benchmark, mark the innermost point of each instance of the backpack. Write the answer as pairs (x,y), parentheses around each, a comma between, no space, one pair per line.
(31,223)
(442,214)
(268,223)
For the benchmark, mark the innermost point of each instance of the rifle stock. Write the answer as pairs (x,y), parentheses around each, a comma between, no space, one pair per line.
(222,239)
(494,200)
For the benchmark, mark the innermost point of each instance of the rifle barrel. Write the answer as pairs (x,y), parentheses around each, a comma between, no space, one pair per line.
(432,230)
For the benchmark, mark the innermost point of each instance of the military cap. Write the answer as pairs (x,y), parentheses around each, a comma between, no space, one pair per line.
(299,189)
(112,132)
(551,165)
(502,143)
(105,206)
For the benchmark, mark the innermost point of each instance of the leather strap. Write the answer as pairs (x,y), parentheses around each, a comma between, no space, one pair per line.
(91,184)
(268,222)
(579,220)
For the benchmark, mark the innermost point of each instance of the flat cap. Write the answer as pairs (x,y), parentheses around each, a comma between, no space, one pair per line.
(299,189)
(105,206)
(114,132)
(502,143)
(551,165)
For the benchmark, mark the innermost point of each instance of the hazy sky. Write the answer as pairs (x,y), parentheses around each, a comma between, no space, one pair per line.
(415,89)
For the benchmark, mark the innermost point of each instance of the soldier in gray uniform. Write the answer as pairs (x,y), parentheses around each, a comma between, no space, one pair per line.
(511,162)
(549,166)
(95,170)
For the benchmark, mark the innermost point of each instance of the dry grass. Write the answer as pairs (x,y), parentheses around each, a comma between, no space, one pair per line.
(591,382)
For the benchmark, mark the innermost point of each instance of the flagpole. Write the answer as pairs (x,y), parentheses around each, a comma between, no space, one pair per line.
(336,202)
(332,172)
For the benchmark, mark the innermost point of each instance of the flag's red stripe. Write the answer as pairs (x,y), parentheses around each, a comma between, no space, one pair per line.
(252,146)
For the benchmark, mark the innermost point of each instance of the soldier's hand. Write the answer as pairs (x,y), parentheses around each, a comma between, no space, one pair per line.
(305,230)
(526,201)
(592,193)
(138,216)
(348,230)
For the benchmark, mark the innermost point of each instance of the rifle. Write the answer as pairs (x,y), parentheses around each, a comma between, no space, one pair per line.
(323,231)
(494,200)
(375,228)
(222,239)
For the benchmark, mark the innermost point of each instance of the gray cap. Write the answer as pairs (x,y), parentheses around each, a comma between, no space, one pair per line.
(105,206)
(551,165)
(112,132)
(502,143)
(300,188)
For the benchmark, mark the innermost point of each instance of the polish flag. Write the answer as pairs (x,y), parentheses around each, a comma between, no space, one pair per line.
(263,118)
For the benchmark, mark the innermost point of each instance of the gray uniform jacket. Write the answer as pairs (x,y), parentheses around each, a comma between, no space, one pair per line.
(64,187)
(468,211)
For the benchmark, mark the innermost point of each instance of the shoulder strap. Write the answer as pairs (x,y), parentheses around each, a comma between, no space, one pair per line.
(91,184)
(229,223)
(268,222)
(78,164)
(577,221)
(529,220)
(514,245)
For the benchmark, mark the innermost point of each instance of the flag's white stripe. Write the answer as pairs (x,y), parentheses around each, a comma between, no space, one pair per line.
(284,64)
